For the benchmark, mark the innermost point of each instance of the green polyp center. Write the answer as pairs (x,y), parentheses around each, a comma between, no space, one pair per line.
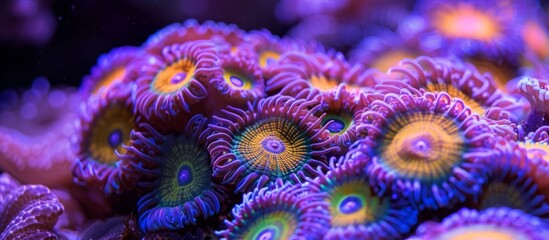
(185,172)
(340,122)
(353,202)
(280,224)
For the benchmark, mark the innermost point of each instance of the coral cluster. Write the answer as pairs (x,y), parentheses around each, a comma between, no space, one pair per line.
(209,131)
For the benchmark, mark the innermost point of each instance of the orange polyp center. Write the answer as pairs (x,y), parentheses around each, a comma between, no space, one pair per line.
(422,145)
(464,21)
(391,58)
(234,49)
(174,77)
(483,235)
(323,83)
(114,76)
(109,132)
(268,57)
(482,232)
(536,39)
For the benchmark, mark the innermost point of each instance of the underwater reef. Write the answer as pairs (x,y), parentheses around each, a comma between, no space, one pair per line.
(434,126)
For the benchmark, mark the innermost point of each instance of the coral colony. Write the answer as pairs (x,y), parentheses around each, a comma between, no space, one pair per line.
(436,127)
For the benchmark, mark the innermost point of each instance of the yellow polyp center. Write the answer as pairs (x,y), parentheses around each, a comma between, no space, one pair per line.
(268,57)
(323,83)
(536,38)
(422,145)
(483,235)
(237,80)
(482,232)
(114,76)
(274,145)
(276,225)
(501,74)
(465,21)
(353,203)
(456,93)
(391,58)
(174,77)
(107,134)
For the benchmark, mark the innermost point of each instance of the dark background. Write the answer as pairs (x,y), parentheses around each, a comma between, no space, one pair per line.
(86,28)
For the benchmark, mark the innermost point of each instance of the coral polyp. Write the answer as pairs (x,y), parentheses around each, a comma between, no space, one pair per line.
(277,138)
(226,37)
(479,92)
(343,109)
(492,223)
(452,22)
(357,211)
(105,125)
(538,154)
(492,35)
(266,48)
(167,85)
(423,147)
(299,71)
(511,181)
(239,82)
(535,91)
(111,68)
(282,213)
(443,106)
(177,183)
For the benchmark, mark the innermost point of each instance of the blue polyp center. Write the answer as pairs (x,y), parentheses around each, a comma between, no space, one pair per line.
(350,205)
(273,144)
(270,61)
(268,233)
(336,126)
(185,175)
(115,138)
(179,77)
(236,81)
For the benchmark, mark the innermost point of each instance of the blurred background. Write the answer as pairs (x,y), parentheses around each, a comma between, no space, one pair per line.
(61,40)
